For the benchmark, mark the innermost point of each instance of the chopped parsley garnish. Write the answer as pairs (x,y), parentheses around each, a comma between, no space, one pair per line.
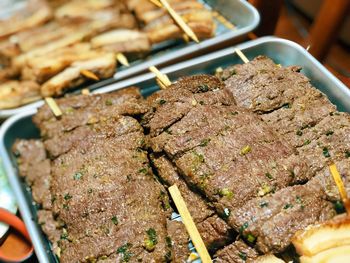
(167,257)
(165,205)
(203,180)
(64,234)
(243,227)
(204,142)
(203,88)
(164,201)
(245,150)
(168,131)
(250,238)
(286,106)
(328,133)
(105,229)
(152,234)
(263,204)
(90,190)
(339,207)
(326,152)
(69,110)
(234,113)
(161,102)
(292,174)
(67,196)
(288,206)
(65,206)
(168,241)
(225,192)
(143,170)
(142,142)
(138,149)
(123,250)
(299,133)
(307,142)
(305,126)
(77,176)
(300,202)
(347,154)
(231,72)
(108,102)
(115,220)
(151,240)
(188,139)
(269,176)
(242,255)
(227,212)
(265,189)
(199,156)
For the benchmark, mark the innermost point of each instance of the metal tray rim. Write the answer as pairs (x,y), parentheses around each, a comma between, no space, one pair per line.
(194,47)
(15,183)
(6,113)
(225,52)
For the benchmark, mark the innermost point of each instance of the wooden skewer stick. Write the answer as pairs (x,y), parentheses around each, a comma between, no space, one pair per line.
(122,59)
(241,55)
(189,224)
(156,2)
(223,20)
(85,91)
(161,84)
(53,106)
(251,35)
(186,38)
(178,19)
(161,77)
(338,181)
(89,74)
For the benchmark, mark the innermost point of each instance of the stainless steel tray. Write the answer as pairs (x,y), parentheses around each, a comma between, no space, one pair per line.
(239,12)
(281,51)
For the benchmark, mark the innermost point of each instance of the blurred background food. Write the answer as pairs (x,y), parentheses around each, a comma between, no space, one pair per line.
(321,25)
(46,45)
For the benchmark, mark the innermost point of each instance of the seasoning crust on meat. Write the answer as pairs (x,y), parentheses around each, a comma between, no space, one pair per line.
(252,167)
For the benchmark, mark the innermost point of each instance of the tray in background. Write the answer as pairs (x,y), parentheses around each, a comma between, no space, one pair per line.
(281,51)
(239,12)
